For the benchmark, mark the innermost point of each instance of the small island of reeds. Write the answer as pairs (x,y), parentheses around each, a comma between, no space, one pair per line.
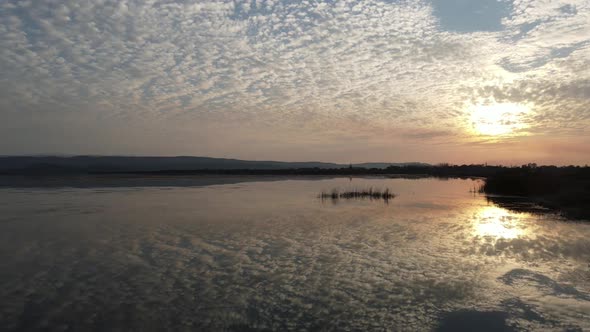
(358,193)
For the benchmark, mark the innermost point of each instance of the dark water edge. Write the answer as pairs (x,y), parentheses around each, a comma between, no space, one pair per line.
(540,205)
(128,180)
(166,180)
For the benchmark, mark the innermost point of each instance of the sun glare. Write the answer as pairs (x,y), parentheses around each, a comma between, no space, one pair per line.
(498,119)
(496,222)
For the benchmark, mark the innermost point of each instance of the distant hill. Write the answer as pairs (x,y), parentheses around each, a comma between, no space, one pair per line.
(86,164)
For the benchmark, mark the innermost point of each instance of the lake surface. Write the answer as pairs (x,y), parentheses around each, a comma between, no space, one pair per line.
(271,255)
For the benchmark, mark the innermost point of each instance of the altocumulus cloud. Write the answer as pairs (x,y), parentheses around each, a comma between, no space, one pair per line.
(386,70)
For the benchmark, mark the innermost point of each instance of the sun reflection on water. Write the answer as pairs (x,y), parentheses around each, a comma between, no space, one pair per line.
(496,222)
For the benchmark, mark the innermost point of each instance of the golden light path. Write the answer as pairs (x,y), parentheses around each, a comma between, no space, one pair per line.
(495,222)
(497,119)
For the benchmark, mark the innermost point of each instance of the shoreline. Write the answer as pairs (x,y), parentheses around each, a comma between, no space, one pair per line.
(564,192)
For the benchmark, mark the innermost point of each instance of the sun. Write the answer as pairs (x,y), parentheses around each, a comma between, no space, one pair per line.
(498,119)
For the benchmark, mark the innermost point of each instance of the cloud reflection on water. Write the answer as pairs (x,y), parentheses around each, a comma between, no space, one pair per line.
(270,255)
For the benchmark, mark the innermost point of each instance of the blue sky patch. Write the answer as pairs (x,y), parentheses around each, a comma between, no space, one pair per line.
(470,16)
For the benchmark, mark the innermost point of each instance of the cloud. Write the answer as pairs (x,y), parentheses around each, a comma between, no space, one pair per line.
(298,66)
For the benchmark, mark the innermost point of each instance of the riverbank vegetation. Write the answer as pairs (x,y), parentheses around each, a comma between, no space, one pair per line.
(563,189)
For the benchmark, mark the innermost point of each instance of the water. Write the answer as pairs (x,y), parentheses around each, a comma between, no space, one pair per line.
(270,255)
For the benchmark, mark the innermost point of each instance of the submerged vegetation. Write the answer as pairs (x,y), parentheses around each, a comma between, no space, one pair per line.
(356,193)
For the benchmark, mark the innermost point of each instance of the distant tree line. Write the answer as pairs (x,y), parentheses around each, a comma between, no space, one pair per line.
(440,170)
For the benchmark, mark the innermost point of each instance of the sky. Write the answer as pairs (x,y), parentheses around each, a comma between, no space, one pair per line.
(455,81)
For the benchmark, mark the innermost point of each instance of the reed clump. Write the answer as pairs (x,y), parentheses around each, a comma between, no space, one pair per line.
(358,193)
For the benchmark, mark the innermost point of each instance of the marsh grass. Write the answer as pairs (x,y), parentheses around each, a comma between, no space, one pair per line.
(479,189)
(356,193)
